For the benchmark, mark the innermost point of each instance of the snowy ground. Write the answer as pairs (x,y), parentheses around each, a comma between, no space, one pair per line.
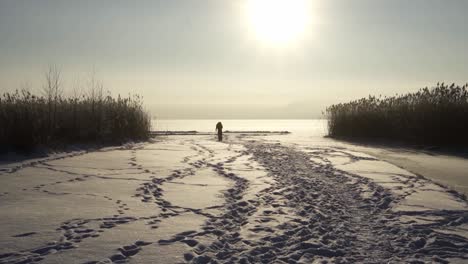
(251,199)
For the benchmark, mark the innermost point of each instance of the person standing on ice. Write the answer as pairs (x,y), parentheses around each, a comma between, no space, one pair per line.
(219,128)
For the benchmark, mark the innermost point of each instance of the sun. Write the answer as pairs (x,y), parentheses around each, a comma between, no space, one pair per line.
(278,21)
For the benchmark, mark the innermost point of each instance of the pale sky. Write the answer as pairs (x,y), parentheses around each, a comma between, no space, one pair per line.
(205,59)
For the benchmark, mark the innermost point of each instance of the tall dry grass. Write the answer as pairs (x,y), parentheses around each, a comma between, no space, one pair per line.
(28,120)
(436,116)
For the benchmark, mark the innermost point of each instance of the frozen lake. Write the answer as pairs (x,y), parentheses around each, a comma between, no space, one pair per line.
(312,127)
(249,199)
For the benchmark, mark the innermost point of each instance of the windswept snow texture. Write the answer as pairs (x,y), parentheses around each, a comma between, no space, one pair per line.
(248,200)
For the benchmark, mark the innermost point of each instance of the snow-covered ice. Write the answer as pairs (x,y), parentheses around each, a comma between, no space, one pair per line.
(250,199)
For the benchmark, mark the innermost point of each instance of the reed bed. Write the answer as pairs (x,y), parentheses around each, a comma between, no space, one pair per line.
(28,120)
(436,116)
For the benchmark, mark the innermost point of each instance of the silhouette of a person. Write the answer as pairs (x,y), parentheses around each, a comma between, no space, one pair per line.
(219,128)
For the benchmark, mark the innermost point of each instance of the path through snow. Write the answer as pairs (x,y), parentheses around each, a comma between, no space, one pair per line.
(248,200)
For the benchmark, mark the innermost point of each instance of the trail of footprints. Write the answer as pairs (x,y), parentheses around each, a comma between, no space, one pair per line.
(411,183)
(76,230)
(311,212)
(225,227)
(314,212)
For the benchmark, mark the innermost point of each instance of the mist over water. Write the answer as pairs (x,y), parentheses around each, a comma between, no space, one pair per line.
(313,127)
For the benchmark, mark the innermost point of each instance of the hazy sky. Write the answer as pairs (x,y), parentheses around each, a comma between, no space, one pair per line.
(203,58)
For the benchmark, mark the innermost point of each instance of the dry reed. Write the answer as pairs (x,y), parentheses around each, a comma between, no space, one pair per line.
(28,120)
(437,116)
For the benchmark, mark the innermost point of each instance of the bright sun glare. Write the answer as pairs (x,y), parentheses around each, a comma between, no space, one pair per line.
(278,21)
